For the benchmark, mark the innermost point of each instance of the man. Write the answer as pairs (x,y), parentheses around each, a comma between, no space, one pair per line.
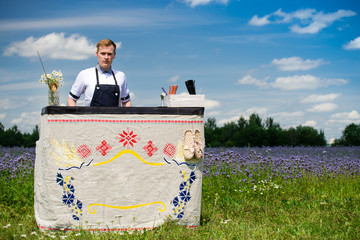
(102,85)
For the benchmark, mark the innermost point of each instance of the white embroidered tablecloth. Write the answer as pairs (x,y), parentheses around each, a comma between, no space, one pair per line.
(116,172)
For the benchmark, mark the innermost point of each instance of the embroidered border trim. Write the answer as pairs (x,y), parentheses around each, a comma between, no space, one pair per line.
(121,121)
(105,229)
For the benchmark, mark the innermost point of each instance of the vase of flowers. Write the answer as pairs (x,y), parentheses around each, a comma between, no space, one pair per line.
(53,81)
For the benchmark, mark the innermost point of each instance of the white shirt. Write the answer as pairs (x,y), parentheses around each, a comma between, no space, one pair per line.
(86,81)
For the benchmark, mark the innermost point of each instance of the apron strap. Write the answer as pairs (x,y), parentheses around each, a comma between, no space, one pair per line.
(97,77)
(114,77)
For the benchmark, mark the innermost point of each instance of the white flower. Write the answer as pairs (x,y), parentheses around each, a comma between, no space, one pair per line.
(54,78)
(24,235)
(226,221)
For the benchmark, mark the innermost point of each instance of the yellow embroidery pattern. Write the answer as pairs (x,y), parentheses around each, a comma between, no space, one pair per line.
(126,207)
(66,156)
(128,151)
(180,152)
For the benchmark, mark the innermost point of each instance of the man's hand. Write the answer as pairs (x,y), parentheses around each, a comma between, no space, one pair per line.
(126,104)
(71,102)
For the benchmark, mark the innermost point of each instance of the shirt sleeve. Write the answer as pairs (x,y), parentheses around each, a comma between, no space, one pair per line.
(78,88)
(125,93)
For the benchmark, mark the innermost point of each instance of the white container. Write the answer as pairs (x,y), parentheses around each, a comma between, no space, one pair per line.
(184,100)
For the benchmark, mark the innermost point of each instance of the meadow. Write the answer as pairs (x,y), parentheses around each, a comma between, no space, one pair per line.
(248,193)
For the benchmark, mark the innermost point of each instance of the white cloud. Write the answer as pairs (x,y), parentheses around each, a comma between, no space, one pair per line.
(296,63)
(297,82)
(174,78)
(305,21)
(256,21)
(322,20)
(257,110)
(312,28)
(323,107)
(194,3)
(302,14)
(353,115)
(2,116)
(288,115)
(27,120)
(228,120)
(115,18)
(353,45)
(214,113)
(321,98)
(6,104)
(339,81)
(211,104)
(249,80)
(20,86)
(310,123)
(344,118)
(55,46)
(245,115)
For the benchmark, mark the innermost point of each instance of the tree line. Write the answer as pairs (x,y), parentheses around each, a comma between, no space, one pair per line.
(13,137)
(253,132)
(257,133)
(350,136)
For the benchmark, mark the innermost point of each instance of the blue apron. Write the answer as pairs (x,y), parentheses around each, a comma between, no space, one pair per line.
(105,95)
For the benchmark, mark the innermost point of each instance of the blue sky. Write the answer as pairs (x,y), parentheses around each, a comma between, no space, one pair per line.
(295,61)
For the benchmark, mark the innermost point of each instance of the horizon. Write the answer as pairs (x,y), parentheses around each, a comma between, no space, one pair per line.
(296,62)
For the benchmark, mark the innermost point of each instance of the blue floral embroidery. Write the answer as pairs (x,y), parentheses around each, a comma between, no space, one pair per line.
(59,179)
(176,202)
(184,196)
(183,185)
(68,197)
(79,204)
(192,177)
(180,215)
(70,188)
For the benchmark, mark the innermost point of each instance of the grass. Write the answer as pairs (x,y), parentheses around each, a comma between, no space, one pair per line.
(310,207)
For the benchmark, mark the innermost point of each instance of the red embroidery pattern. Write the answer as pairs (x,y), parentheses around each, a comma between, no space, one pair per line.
(84,151)
(122,121)
(150,149)
(103,148)
(170,150)
(128,138)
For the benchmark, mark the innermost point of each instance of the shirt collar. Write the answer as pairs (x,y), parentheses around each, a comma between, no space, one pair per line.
(102,70)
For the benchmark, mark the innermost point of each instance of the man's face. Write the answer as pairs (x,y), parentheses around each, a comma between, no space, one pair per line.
(105,56)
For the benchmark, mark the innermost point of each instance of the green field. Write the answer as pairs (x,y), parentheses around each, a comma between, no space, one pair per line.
(248,193)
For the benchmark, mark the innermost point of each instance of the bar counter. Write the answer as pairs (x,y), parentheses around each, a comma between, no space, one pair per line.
(118,169)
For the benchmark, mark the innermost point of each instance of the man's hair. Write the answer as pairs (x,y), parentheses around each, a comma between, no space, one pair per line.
(105,43)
